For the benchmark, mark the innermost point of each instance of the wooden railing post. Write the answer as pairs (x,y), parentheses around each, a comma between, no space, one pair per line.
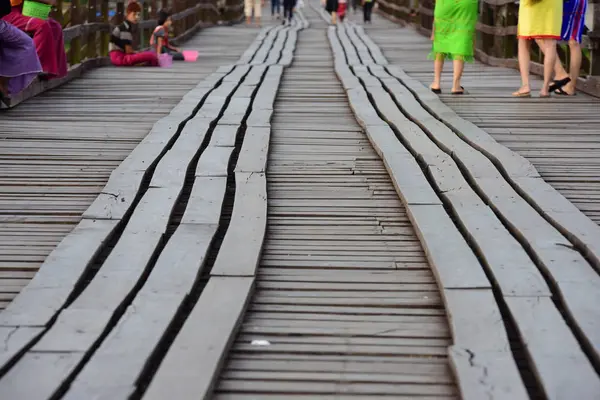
(92,46)
(104,35)
(76,43)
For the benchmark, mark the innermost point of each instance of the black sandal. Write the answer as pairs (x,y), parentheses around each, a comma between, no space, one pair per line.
(558,84)
(561,92)
(436,91)
(459,93)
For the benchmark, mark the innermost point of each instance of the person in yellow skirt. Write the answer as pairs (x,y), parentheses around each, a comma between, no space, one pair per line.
(539,20)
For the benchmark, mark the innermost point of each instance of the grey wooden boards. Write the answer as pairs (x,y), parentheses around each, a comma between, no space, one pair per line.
(59,149)
(345,305)
(139,256)
(529,265)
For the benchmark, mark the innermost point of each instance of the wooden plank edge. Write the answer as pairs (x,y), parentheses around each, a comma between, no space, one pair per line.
(241,249)
(508,375)
(533,283)
(558,211)
(195,358)
(143,326)
(551,204)
(579,316)
(47,292)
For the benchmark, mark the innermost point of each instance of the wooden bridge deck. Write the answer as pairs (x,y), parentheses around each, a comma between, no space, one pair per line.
(58,149)
(560,136)
(309,221)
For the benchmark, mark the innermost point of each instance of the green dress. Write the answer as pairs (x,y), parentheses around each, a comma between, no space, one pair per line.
(454,29)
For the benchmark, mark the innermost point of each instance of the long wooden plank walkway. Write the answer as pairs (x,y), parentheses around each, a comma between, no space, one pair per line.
(58,149)
(312,222)
(345,298)
(560,136)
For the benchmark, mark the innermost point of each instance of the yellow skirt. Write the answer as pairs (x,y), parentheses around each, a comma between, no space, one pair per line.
(541,19)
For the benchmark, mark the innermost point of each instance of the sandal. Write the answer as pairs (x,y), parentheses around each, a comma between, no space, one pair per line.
(436,91)
(522,94)
(561,92)
(558,84)
(459,93)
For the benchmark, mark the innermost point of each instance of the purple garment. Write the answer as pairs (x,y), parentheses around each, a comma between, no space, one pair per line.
(18,58)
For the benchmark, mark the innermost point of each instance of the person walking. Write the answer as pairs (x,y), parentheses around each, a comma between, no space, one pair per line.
(253,7)
(276,8)
(573,24)
(453,36)
(367,10)
(288,11)
(331,6)
(539,20)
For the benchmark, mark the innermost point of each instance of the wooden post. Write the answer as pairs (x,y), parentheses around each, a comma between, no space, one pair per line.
(91,39)
(104,36)
(145,33)
(120,14)
(594,36)
(76,19)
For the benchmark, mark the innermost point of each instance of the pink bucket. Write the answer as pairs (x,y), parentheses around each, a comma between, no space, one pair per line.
(165,60)
(190,55)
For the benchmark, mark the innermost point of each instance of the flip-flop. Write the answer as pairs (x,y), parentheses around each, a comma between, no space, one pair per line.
(558,84)
(436,91)
(459,93)
(561,92)
(521,94)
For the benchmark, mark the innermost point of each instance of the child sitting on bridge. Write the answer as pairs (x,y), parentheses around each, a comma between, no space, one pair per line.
(160,37)
(121,42)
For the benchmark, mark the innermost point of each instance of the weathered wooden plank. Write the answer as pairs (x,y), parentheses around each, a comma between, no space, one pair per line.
(206,201)
(121,358)
(15,339)
(214,162)
(49,290)
(195,357)
(242,245)
(452,260)
(255,148)
(562,368)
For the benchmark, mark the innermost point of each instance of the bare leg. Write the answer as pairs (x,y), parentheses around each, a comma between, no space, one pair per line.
(248,21)
(524,60)
(559,71)
(257,21)
(549,46)
(575,66)
(458,68)
(438,67)
(333,18)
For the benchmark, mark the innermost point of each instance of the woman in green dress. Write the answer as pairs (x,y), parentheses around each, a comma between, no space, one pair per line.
(453,36)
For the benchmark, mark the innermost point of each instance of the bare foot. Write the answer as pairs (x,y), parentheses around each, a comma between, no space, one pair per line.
(434,87)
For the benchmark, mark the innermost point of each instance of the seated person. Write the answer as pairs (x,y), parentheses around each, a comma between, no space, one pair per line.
(19,63)
(47,36)
(121,42)
(160,37)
